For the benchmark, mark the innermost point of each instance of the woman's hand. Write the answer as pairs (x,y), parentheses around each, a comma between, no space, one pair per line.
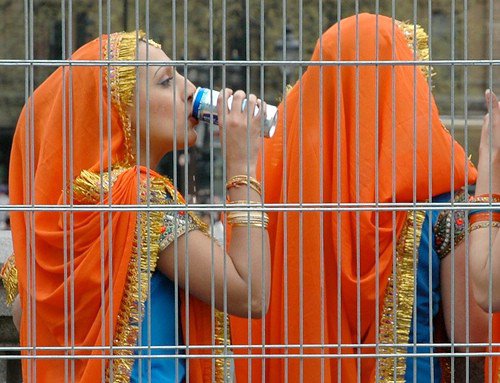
(489,148)
(493,115)
(242,129)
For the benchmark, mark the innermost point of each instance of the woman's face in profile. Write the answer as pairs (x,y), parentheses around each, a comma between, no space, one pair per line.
(164,102)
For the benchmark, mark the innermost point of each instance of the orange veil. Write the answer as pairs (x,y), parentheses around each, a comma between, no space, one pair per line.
(376,139)
(83,277)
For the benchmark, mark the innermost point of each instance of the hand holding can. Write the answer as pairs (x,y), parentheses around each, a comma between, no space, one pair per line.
(205,109)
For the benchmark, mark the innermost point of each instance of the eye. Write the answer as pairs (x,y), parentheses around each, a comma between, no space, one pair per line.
(165,83)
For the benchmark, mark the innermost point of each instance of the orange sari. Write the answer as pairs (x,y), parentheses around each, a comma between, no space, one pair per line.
(376,139)
(83,277)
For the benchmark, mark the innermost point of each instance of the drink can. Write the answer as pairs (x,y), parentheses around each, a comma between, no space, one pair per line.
(205,109)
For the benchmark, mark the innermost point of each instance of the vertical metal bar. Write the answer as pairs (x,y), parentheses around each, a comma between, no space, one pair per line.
(247,90)
(357,191)
(490,148)
(301,200)
(265,282)
(147,161)
(339,194)
(101,194)
(430,192)
(186,180)
(177,293)
(71,177)
(394,180)
(377,217)
(30,249)
(321,196)
(187,156)
(452,183)
(415,254)
(285,193)
(223,140)
(466,147)
(65,187)
(111,330)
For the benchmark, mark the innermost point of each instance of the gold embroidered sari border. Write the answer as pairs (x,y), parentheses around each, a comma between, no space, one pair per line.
(396,321)
(142,264)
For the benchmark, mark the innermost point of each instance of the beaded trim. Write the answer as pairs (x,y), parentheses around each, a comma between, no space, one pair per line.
(396,321)
(483,225)
(8,275)
(412,32)
(87,187)
(446,220)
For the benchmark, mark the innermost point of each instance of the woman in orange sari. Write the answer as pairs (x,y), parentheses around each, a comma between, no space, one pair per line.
(348,285)
(94,282)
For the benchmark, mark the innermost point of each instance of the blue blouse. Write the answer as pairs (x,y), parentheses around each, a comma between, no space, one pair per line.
(163,330)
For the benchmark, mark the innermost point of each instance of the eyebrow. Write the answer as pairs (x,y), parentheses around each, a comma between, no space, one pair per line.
(161,67)
(157,71)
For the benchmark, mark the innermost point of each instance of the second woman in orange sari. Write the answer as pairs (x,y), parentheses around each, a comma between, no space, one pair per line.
(356,281)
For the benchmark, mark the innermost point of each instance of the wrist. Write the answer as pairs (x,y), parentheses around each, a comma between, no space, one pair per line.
(243,169)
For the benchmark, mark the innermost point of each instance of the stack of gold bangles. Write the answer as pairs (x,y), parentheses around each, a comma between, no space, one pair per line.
(246,218)
(479,219)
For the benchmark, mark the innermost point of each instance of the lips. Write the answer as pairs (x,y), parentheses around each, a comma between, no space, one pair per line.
(193,121)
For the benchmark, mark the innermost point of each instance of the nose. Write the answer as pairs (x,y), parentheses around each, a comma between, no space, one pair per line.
(190,90)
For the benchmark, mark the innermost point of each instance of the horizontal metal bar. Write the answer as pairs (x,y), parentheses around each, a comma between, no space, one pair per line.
(212,63)
(256,356)
(323,207)
(324,346)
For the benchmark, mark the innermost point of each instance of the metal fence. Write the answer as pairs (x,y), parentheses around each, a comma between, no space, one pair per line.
(262,47)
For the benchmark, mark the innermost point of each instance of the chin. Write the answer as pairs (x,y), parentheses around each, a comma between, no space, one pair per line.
(192,136)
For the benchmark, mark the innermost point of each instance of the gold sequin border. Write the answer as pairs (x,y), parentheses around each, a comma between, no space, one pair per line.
(9,277)
(396,321)
(142,264)
(417,40)
(121,81)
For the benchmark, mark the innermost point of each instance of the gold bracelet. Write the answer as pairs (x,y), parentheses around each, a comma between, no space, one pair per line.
(241,180)
(257,219)
(248,216)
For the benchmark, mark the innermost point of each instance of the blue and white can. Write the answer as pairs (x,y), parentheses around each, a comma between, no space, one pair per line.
(205,109)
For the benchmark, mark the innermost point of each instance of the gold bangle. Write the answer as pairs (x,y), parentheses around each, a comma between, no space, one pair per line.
(240,180)
(252,224)
(245,217)
(258,219)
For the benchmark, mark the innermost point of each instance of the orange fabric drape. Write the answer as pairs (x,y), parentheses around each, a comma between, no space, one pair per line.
(72,278)
(376,138)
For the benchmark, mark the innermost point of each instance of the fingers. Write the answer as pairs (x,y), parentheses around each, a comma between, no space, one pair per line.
(237,106)
(222,101)
(491,101)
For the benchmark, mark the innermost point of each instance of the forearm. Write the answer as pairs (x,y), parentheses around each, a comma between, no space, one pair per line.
(485,267)
(461,302)
(484,243)
(249,249)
